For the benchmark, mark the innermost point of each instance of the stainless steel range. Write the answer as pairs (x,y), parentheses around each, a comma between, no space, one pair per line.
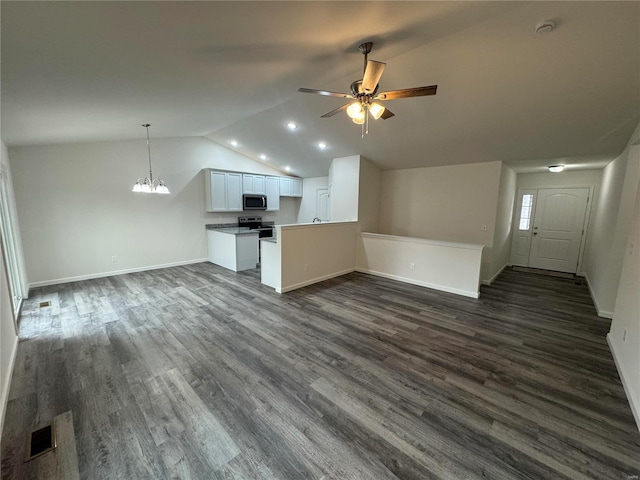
(255,223)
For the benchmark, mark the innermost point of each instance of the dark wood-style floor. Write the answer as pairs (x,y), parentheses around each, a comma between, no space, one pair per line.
(198,372)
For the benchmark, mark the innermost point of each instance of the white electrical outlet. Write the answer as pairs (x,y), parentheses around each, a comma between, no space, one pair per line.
(306,267)
(412,266)
(114,259)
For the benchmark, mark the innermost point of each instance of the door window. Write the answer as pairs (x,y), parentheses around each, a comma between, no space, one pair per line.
(525,212)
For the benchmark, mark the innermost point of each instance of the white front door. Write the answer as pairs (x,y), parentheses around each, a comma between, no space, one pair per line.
(549,227)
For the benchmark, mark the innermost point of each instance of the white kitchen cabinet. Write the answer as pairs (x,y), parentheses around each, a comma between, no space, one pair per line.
(223,191)
(253,183)
(235,251)
(290,187)
(285,187)
(296,187)
(272,188)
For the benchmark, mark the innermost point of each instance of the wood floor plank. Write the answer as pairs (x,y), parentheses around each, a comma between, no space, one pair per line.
(197,372)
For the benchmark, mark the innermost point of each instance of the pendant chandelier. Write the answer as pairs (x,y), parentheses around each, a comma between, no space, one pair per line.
(150,184)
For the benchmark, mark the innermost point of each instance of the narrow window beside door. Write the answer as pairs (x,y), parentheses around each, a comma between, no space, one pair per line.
(525,212)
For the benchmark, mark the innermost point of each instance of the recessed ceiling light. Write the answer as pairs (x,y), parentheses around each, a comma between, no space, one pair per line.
(287,168)
(234,143)
(263,156)
(322,145)
(291,126)
(556,168)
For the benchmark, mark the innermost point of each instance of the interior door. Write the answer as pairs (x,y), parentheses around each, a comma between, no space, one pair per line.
(322,204)
(558,228)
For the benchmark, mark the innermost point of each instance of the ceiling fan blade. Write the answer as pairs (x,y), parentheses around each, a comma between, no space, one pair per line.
(387,114)
(335,111)
(407,92)
(325,92)
(372,75)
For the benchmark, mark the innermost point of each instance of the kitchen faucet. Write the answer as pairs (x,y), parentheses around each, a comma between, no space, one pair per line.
(316,218)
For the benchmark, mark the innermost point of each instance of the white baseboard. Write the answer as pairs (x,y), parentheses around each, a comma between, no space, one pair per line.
(311,281)
(112,273)
(7,383)
(442,288)
(621,372)
(601,313)
(492,279)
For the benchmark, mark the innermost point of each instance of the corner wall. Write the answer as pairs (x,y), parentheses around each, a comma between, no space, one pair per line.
(608,232)
(500,249)
(77,211)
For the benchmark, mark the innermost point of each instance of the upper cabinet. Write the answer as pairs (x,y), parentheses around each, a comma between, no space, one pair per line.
(253,183)
(272,186)
(290,187)
(223,191)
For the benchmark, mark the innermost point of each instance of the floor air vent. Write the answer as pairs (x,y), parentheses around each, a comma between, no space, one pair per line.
(45,304)
(40,442)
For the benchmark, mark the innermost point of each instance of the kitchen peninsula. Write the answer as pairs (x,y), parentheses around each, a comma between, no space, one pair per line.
(232,247)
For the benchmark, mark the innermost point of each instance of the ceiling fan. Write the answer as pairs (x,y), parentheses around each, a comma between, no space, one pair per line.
(366,96)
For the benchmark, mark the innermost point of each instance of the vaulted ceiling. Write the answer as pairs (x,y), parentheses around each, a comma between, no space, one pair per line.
(94,71)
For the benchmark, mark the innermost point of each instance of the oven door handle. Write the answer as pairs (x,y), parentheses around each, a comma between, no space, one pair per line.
(264,202)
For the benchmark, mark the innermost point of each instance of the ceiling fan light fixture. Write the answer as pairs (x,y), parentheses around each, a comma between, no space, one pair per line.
(359,120)
(376,110)
(355,110)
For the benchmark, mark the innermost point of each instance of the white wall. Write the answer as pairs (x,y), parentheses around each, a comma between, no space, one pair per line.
(624,337)
(310,187)
(609,228)
(76,208)
(312,253)
(447,266)
(343,188)
(369,197)
(450,203)
(500,249)
(8,334)
(568,178)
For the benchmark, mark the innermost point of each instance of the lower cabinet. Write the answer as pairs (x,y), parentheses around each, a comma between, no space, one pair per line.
(235,252)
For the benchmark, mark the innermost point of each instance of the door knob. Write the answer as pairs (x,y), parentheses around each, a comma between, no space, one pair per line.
(535,233)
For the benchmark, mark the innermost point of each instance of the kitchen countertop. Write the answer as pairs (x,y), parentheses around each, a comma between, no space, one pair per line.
(231,230)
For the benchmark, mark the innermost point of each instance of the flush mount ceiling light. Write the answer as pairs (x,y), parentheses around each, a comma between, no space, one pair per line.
(234,143)
(545,27)
(556,168)
(263,156)
(291,126)
(150,184)
(322,145)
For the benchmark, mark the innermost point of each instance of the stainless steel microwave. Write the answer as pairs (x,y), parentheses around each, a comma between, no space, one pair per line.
(252,201)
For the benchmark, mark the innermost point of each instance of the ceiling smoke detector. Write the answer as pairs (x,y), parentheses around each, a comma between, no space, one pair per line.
(545,27)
